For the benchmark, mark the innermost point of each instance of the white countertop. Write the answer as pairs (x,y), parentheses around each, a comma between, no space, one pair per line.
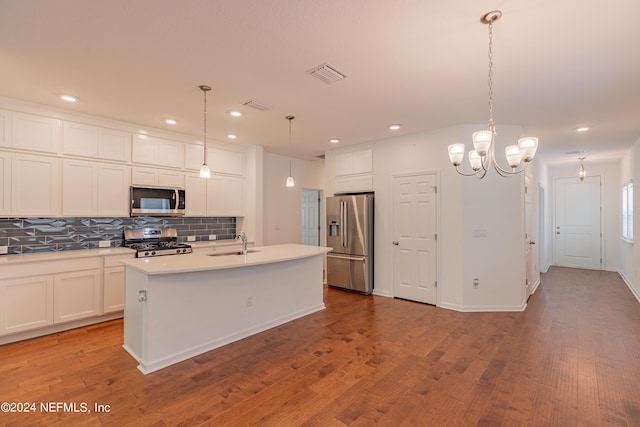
(62,255)
(201,262)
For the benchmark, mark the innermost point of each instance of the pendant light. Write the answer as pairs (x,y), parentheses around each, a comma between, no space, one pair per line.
(482,158)
(581,172)
(205,172)
(290,182)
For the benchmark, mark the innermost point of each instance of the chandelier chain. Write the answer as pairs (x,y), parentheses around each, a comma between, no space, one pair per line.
(490,77)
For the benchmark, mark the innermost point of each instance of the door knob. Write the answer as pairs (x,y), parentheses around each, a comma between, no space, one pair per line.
(532,243)
(395,242)
(557,232)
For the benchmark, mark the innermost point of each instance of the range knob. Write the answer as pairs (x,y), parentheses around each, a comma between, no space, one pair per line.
(146,253)
(177,251)
(153,253)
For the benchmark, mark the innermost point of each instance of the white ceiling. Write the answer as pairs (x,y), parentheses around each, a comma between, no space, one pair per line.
(557,65)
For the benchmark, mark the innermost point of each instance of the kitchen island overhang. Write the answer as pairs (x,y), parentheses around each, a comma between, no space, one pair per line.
(177,307)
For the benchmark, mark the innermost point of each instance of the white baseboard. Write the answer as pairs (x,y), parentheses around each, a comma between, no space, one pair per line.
(630,286)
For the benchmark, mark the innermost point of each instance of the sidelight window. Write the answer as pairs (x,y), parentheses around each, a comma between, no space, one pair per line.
(627,211)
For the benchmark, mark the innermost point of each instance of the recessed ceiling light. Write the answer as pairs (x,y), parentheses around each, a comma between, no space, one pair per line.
(170,122)
(334,140)
(583,129)
(69,98)
(395,126)
(235,113)
(231,136)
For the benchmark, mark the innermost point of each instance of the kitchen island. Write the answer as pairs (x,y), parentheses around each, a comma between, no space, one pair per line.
(177,307)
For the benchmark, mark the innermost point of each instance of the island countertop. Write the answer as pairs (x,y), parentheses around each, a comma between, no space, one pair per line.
(202,262)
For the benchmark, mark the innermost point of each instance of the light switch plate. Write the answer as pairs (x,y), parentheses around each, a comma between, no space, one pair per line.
(4,250)
(212,237)
(191,238)
(104,244)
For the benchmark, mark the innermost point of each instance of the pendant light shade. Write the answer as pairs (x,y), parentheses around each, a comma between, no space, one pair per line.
(205,172)
(290,182)
(582,173)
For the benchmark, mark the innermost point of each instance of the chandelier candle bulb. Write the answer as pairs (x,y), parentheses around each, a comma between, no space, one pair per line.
(475,160)
(456,154)
(512,152)
(528,147)
(482,141)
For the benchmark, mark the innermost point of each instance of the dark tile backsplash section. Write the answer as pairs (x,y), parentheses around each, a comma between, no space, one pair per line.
(28,235)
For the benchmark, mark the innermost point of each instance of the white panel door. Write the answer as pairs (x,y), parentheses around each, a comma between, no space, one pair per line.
(414,238)
(530,237)
(577,223)
(310,217)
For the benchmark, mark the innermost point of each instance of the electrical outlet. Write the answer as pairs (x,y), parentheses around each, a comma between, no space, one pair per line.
(476,282)
(212,237)
(191,238)
(249,301)
(4,250)
(104,244)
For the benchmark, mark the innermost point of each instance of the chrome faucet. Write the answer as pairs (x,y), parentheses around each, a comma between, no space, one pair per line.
(243,238)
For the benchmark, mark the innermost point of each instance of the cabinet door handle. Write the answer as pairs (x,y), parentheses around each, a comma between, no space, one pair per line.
(396,243)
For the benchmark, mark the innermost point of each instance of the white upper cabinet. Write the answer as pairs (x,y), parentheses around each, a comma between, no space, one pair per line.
(5,128)
(79,139)
(228,162)
(355,162)
(114,145)
(79,188)
(157,151)
(113,190)
(35,189)
(5,185)
(225,196)
(196,193)
(155,177)
(193,156)
(35,133)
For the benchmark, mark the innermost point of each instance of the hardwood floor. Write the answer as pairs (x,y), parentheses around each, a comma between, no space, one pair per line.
(572,358)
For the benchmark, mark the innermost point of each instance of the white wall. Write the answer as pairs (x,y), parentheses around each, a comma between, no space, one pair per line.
(465,204)
(282,205)
(629,254)
(611,205)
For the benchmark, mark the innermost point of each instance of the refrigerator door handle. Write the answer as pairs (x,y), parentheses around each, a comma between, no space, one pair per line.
(348,258)
(345,226)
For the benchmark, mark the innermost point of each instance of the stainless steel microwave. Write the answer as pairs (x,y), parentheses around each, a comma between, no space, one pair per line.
(157,201)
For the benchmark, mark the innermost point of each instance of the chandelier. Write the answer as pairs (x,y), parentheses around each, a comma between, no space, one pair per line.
(482,157)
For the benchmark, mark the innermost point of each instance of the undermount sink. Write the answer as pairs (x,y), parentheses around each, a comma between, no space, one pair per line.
(249,251)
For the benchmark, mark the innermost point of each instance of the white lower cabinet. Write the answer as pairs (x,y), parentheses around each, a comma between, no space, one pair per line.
(113,289)
(75,291)
(113,283)
(76,295)
(26,303)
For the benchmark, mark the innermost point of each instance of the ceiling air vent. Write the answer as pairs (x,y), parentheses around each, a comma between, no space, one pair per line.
(327,74)
(257,105)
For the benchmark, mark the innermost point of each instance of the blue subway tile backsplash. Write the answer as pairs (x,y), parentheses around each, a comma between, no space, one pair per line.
(29,235)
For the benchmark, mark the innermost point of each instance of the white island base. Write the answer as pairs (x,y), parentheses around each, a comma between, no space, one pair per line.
(177,307)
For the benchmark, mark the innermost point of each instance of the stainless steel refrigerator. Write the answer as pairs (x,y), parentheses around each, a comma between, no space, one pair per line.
(350,234)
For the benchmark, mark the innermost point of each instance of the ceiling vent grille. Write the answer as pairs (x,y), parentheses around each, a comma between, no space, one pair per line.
(327,74)
(257,105)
